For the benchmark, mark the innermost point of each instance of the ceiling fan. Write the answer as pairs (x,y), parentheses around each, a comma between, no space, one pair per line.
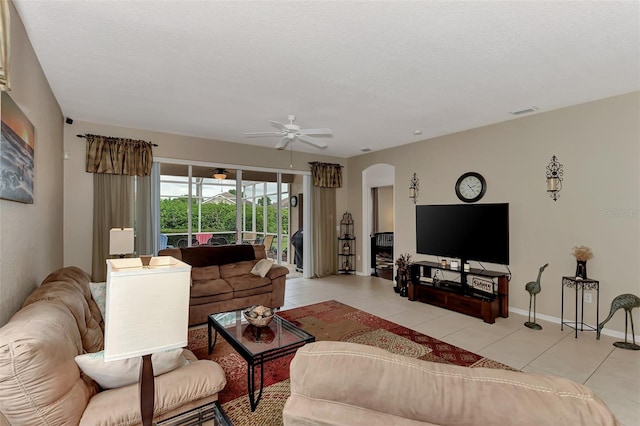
(291,131)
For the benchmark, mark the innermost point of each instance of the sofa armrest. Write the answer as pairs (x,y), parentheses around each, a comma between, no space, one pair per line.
(435,393)
(277,271)
(121,406)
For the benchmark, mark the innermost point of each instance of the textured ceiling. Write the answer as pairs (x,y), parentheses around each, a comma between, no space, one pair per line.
(373,72)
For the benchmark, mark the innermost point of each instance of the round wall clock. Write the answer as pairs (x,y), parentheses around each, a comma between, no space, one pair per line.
(294,201)
(471,187)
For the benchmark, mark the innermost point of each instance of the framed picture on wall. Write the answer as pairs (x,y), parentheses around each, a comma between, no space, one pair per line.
(17,148)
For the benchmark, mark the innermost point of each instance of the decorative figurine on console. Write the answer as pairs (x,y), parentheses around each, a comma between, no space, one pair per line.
(534,288)
(627,302)
(402,275)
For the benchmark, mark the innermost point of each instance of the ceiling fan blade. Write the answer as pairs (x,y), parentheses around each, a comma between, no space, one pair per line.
(278,125)
(283,143)
(264,134)
(316,132)
(312,141)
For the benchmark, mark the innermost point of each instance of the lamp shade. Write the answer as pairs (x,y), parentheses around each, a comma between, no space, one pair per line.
(147,307)
(121,241)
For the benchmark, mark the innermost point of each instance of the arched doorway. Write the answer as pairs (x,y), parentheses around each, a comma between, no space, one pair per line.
(374,176)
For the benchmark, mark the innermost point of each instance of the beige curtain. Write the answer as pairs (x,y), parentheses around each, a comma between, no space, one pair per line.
(324,260)
(326,177)
(121,194)
(143,214)
(112,208)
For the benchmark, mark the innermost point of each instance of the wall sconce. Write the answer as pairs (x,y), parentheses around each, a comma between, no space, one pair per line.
(413,188)
(554,178)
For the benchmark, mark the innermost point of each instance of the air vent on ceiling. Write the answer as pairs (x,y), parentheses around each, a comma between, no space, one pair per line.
(526,110)
(366,150)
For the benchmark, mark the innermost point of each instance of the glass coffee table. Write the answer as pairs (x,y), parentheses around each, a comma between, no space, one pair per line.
(210,414)
(256,345)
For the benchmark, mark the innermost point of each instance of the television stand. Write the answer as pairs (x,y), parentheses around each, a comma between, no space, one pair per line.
(458,296)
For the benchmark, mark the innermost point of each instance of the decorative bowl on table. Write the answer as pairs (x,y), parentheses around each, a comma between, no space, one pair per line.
(258,316)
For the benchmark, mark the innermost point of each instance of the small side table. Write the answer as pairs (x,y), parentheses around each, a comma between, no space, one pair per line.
(580,285)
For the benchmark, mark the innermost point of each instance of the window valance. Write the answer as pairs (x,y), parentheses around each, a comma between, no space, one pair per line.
(118,156)
(326,175)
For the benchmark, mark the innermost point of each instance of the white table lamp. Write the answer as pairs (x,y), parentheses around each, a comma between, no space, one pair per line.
(147,311)
(121,241)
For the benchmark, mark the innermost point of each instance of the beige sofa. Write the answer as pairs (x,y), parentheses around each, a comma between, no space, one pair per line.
(340,383)
(40,383)
(221,279)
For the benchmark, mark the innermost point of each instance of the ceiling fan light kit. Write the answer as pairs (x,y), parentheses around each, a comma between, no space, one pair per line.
(291,131)
(220,174)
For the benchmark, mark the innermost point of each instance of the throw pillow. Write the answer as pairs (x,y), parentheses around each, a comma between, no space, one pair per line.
(99,295)
(262,267)
(115,374)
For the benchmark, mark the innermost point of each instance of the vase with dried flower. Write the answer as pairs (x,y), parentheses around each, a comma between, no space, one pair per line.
(582,254)
(402,276)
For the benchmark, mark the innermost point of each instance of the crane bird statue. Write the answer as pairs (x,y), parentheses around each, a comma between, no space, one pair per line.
(627,302)
(534,288)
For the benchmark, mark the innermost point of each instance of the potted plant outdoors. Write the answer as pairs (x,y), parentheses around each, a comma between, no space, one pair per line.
(582,254)
(402,275)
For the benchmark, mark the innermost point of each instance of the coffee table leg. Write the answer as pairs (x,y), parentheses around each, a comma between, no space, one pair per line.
(251,379)
(215,338)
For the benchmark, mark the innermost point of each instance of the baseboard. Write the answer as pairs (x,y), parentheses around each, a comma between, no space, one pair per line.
(605,331)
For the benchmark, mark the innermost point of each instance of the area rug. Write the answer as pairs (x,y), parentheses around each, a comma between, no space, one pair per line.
(329,320)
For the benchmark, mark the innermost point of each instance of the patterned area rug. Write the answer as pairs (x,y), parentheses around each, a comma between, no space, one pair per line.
(327,321)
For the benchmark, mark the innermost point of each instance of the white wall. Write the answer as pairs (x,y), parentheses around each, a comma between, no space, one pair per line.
(31,234)
(599,205)
(78,196)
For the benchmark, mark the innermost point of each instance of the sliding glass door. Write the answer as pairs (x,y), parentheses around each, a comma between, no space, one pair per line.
(198,208)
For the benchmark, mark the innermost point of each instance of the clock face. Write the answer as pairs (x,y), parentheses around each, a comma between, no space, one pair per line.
(470,187)
(294,201)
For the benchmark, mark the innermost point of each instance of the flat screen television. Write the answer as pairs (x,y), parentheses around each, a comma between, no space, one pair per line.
(464,231)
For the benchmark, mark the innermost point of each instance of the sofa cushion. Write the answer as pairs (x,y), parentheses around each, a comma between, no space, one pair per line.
(74,275)
(237,269)
(70,295)
(215,287)
(262,267)
(217,255)
(116,374)
(121,406)
(39,381)
(205,272)
(437,393)
(249,285)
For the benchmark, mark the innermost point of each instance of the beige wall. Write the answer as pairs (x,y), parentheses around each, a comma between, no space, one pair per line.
(31,234)
(78,197)
(385,209)
(599,205)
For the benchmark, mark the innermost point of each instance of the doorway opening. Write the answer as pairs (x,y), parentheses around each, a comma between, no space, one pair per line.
(377,218)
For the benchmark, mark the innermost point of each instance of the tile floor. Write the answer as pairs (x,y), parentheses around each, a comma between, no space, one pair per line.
(613,373)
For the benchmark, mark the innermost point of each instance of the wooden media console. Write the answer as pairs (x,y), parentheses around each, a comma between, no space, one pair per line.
(486,301)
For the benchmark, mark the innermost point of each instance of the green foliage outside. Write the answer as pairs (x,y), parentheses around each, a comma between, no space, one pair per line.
(216,218)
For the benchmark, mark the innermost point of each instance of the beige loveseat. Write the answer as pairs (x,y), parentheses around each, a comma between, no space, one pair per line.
(221,279)
(340,383)
(41,384)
